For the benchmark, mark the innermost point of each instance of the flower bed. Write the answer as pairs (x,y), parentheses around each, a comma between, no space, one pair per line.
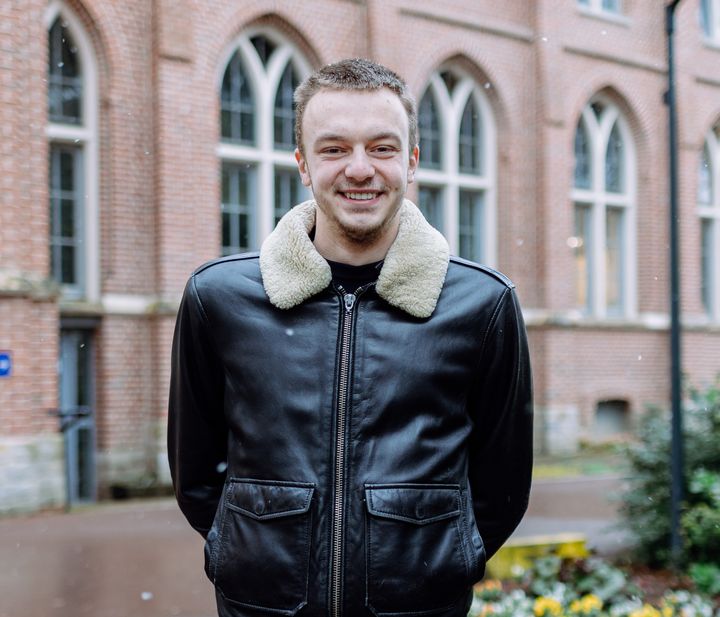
(555,587)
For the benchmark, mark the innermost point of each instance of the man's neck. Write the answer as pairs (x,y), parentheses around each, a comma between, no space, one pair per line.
(344,250)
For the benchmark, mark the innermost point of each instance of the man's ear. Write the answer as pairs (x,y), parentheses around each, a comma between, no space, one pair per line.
(412,164)
(303,168)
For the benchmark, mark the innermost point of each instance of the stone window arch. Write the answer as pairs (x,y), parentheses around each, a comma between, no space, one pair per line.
(708,200)
(457,172)
(72,130)
(603,197)
(259,178)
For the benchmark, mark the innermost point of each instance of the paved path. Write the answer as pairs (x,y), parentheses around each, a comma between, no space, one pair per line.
(577,505)
(141,559)
(138,559)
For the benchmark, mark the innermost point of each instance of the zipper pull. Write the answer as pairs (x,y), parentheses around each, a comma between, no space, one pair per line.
(349,302)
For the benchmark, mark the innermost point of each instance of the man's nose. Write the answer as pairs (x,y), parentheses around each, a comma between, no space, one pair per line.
(359,166)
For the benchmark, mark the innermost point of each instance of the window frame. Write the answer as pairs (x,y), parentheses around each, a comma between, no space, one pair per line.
(263,155)
(709,214)
(602,203)
(447,177)
(83,136)
(595,8)
(713,36)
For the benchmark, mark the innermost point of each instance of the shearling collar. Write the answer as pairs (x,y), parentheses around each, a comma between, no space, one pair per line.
(411,278)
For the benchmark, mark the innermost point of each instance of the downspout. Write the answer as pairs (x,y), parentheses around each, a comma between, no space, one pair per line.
(676,494)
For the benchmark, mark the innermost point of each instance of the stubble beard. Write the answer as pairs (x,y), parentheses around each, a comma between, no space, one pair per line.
(358,235)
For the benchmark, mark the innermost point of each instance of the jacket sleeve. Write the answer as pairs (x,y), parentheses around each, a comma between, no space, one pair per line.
(197,432)
(501,444)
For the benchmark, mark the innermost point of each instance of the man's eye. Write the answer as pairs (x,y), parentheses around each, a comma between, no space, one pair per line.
(332,150)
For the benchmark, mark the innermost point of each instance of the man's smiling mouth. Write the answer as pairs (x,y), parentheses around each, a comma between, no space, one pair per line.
(361,196)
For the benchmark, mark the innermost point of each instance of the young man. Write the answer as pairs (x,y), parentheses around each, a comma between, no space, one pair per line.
(350,410)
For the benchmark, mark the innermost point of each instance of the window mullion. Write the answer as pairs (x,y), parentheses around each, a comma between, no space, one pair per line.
(600,250)
(80,223)
(451,127)
(265,181)
(714,278)
(451,198)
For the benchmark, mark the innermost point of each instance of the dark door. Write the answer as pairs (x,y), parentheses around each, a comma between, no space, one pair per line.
(77,393)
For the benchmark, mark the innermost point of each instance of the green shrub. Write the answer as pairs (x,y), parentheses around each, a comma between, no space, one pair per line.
(706,577)
(646,504)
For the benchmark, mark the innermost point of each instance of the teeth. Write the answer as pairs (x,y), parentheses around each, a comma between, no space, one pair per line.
(360,195)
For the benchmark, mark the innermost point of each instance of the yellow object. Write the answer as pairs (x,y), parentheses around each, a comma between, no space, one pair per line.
(521,553)
(547,607)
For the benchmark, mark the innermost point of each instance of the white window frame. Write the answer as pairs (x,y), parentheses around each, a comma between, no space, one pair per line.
(713,37)
(85,137)
(595,8)
(600,201)
(448,178)
(264,83)
(711,213)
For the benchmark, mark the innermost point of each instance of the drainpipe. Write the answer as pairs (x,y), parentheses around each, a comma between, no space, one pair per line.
(676,495)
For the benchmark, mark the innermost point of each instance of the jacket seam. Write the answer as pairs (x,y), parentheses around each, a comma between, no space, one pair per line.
(227,259)
(498,276)
(492,323)
(206,321)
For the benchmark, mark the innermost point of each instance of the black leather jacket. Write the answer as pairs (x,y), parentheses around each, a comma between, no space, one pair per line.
(349,454)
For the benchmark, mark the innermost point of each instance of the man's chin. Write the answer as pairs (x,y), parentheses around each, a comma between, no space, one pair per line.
(362,234)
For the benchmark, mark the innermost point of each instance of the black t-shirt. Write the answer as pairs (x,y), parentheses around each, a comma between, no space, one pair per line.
(352,277)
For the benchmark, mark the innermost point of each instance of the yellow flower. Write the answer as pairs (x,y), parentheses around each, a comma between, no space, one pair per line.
(586,605)
(547,607)
(646,611)
(591,602)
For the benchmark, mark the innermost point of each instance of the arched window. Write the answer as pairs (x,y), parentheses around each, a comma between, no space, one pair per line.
(709,210)
(710,19)
(72,164)
(603,198)
(456,175)
(259,178)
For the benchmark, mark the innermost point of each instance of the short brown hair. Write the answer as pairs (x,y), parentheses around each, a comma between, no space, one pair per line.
(354,74)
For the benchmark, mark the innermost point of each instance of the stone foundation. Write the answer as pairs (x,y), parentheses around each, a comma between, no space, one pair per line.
(32,475)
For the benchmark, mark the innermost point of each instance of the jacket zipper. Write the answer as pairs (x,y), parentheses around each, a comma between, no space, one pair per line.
(348,300)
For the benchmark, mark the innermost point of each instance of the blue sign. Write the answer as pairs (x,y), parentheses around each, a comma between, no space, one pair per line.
(5,364)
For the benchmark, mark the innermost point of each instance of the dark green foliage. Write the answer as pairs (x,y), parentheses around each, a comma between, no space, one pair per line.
(646,504)
(706,577)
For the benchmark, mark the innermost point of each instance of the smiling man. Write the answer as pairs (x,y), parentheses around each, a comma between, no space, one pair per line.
(358,162)
(350,421)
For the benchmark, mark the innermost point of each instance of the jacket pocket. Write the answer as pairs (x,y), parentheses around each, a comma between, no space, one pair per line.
(262,560)
(416,549)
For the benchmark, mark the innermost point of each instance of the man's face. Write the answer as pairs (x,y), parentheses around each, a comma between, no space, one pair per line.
(356,160)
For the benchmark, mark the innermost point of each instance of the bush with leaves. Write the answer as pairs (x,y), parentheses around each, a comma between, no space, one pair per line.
(646,504)
(706,577)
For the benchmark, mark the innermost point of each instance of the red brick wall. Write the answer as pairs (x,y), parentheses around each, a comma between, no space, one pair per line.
(159,68)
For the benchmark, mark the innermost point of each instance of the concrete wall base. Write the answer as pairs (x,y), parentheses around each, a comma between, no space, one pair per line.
(32,473)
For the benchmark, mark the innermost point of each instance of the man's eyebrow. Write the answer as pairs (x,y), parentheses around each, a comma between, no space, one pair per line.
(338,137)
(329,137)
(386,135)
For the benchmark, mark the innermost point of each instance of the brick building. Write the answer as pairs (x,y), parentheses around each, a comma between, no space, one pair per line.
(144,137)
